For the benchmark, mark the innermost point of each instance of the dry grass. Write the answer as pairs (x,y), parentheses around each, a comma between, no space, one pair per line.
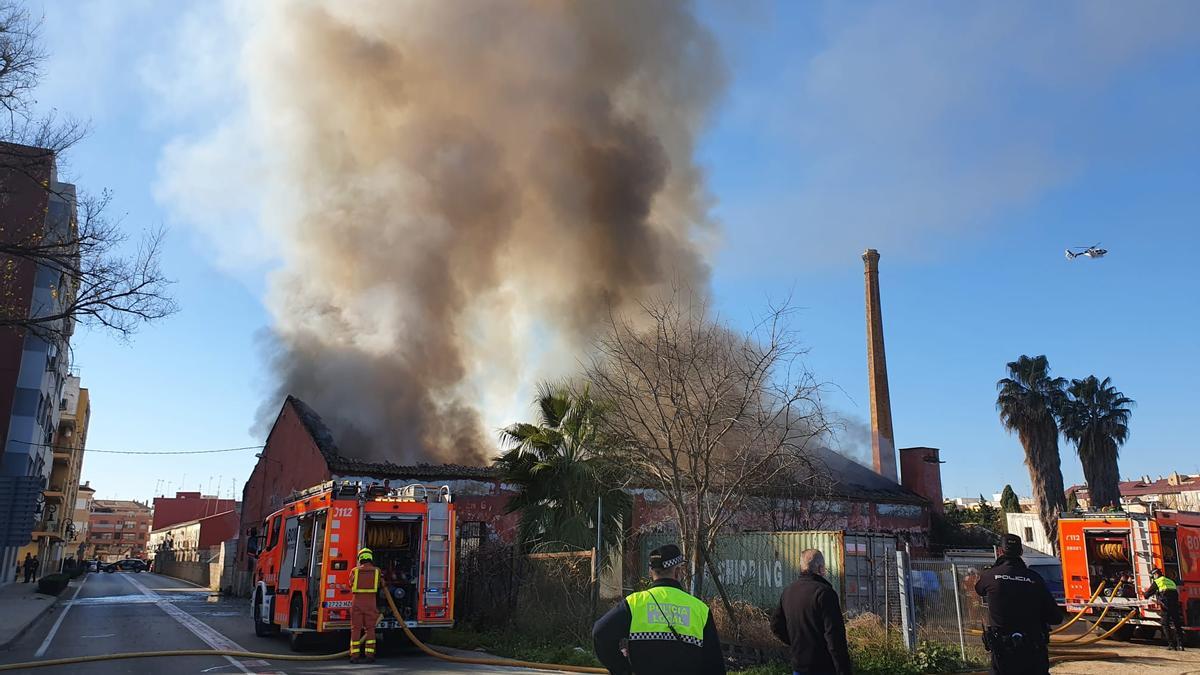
(753,625)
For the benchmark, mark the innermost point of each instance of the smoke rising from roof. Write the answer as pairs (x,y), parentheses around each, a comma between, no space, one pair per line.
(463,190)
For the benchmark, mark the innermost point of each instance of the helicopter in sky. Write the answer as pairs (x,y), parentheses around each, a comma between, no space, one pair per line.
(1093,251)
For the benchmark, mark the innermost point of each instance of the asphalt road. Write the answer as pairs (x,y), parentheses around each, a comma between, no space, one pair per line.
(127,612)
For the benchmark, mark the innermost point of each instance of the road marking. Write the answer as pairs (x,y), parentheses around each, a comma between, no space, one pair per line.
(92,637)
(41,651)
(200,629)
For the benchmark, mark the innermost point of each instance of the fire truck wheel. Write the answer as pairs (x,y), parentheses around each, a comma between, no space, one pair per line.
(260,629)
(297,641)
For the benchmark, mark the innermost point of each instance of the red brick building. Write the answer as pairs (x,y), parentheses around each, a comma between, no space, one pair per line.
(300,452)
(196,535)
(186,506)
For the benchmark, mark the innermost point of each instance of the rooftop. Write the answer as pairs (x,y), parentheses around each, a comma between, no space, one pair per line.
(849,479)
(348,466)
(1173,484)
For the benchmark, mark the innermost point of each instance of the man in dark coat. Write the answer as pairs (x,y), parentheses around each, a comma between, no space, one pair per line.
(809,620)
(1020,612)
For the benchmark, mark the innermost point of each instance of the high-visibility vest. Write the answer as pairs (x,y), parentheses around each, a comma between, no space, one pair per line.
(1164,584)
(652,609)
(370,579)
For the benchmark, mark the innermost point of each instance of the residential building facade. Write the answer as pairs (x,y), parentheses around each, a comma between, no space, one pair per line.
(119,529)
(189,539)
(56,536)
(35,211)
(1177,491)
(81,516)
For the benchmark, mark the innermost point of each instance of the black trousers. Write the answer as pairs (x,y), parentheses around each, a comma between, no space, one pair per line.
(1025,659)
(1172,616)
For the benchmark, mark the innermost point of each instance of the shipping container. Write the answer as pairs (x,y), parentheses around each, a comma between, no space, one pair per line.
(755,567)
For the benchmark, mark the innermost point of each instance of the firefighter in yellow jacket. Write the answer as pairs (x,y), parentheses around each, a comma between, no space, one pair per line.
(364,614)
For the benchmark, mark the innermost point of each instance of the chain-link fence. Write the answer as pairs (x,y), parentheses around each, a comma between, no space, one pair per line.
(546,594)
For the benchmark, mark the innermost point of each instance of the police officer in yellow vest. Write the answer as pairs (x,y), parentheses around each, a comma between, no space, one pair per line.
(668,632)
(364,613)
(1168,595)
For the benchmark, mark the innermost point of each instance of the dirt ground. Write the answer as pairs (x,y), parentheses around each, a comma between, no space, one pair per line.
(1137,656)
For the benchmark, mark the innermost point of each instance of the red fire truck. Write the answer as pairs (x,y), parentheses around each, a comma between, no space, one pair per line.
(1099,547)
(303,561)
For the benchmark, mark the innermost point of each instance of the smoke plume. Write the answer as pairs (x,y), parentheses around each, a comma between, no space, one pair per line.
(463,190)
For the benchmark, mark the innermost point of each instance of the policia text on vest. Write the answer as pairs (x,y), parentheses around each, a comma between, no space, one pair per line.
(668,631)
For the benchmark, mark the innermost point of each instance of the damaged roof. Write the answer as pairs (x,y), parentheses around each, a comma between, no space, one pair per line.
(340,464)
(849,479)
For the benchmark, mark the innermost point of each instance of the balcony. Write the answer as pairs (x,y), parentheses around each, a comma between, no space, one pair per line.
(54,493)
(51,529)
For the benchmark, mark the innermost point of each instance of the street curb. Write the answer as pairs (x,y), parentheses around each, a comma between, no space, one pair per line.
(38,617)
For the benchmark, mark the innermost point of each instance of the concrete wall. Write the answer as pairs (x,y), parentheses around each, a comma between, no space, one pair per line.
(204,567)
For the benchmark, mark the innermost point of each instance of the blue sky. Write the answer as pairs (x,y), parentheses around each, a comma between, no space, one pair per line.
(970,146)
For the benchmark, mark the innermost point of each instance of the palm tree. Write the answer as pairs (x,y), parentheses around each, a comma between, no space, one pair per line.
(1028,401)
(561,470)
(1096,419)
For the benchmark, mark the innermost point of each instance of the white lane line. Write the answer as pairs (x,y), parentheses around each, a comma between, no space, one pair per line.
(41,651)
(200,629)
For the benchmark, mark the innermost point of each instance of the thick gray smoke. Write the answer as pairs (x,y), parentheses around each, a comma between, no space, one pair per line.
(472,186)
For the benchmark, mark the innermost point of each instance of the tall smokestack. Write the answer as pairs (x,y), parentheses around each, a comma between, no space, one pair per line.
(883,444)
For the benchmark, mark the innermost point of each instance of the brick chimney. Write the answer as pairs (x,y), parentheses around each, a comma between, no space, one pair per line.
(883,444)
(921,472)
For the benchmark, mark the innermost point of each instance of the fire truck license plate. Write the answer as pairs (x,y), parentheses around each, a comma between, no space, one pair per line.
(392,623)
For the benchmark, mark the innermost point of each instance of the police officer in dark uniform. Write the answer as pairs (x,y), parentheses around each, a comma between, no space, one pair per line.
(1020,613)
(666,631)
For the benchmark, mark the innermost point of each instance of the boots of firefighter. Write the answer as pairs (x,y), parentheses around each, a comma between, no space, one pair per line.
(369,649)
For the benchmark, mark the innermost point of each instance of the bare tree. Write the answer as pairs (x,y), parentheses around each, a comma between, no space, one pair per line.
(707,416)
(102,279)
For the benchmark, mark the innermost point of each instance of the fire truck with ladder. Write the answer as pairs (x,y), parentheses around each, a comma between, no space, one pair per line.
(309,546)
(1099,547)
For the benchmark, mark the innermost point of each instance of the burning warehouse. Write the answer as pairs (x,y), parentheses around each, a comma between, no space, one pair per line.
(301,452)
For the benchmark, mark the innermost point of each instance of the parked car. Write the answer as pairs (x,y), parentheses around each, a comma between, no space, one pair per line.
(94,565)
(127,565)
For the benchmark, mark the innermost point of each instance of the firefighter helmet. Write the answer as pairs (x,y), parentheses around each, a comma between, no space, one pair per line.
(365,554)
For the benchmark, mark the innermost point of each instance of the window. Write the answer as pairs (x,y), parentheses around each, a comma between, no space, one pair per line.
(1028,534)
(129,524)
(276,526)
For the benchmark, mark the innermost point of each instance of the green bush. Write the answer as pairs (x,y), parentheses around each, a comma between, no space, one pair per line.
(53,584)
(937,657)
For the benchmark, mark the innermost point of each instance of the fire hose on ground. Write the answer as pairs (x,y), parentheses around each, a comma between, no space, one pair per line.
(1080,613)
(267,656)
(1098,619)
(1071,652)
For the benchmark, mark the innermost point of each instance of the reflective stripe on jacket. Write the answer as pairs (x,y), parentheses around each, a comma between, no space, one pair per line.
(1164,584)
(657,610)
(369,579)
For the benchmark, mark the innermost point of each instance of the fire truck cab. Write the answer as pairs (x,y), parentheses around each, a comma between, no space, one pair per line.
(303,561)
(1099,547)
